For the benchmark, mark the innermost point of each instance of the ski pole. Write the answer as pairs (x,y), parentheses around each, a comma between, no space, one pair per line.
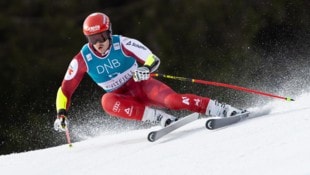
(68,137)
(220,85)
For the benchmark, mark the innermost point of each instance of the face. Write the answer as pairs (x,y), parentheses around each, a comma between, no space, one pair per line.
(100,41)
(102,47)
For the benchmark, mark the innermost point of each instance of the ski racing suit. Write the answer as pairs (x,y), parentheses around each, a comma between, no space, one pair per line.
(113,72)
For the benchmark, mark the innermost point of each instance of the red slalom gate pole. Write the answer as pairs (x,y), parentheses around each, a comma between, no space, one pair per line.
(221,85)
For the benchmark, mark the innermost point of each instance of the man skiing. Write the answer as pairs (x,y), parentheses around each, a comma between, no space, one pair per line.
(121,66)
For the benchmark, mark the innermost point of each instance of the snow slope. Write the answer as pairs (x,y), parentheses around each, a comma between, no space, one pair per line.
(276,144)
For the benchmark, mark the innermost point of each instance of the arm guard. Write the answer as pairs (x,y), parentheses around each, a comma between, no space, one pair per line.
(152,62)
(61,102)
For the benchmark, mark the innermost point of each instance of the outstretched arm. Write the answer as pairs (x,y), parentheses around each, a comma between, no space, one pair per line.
(72,79)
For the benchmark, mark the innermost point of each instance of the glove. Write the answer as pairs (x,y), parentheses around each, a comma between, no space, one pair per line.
(61,122)
(141,74)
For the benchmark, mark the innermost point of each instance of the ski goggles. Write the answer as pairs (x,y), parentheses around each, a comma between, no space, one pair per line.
(99,37)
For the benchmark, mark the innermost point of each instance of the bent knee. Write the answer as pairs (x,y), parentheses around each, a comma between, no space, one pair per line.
(173,101)
(108,100)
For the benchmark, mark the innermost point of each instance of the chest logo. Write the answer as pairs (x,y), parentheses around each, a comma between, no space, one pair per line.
(108,67)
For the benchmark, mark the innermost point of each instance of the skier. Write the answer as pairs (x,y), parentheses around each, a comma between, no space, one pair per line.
(121,66)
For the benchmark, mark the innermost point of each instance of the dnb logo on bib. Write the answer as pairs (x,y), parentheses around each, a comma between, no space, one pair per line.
(72,70)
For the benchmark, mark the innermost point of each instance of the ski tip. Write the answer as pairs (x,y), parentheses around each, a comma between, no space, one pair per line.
(151,137)
(210,124)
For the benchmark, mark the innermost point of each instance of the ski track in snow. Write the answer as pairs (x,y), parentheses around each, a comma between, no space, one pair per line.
(278,143)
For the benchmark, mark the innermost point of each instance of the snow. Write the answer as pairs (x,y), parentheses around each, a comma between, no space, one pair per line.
(278,143)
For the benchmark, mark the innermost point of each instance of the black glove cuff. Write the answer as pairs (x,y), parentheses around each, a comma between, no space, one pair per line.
(62,112)
(149,68)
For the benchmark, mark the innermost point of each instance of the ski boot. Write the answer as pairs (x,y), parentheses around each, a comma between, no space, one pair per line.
(215,108)
(158,116)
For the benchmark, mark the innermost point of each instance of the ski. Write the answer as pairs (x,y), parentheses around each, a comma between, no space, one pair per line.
(219,122)
(155,135)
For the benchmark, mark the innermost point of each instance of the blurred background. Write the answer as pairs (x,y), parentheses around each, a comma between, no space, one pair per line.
(262,45)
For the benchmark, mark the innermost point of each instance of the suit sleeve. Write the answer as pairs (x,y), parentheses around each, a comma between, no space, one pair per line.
(73,77)
(143,55)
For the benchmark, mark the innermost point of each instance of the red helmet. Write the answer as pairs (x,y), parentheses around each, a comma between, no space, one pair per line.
(96,23)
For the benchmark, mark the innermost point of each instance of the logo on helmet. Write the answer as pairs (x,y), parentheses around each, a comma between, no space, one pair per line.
(93,28)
